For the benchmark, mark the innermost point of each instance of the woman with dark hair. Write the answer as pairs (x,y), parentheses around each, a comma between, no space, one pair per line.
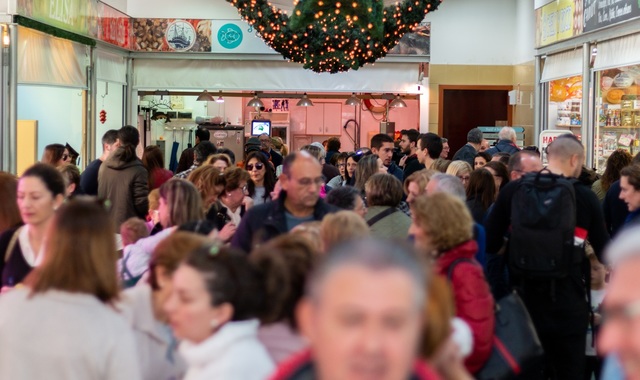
(263,177)
(500,174)
(40,193)
(369,165)
(143,304)
(214,308)
(284,264)
(180,203)
(9,212)
(481,160)
(341,164)
(55,155)
(481,193)
(62,324)
(616,161)
(153,161)
(347,198)
(232,203)
(351,166)
(384,193)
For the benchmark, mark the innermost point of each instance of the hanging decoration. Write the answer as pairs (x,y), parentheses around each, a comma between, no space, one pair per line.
(334,35)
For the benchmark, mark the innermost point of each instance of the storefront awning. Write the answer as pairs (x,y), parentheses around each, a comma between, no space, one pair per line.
(270,76)
(618,52)
(111,68)
(562,65)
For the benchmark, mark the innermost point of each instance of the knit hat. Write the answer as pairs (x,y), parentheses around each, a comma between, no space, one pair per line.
(253,144)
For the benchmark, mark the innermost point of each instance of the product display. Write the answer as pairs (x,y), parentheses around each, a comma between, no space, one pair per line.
(565,108)
(617,113)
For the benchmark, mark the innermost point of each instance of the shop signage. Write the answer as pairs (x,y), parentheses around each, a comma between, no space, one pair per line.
(601,13)
(77,16)
(238,37)
(229,36)
(114,27)
(546,138)
(179,35)
(558,21)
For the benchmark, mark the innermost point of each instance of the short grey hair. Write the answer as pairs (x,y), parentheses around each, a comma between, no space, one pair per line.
(507,133)
(475,136)
(375,255)
(447,183)
(625,246)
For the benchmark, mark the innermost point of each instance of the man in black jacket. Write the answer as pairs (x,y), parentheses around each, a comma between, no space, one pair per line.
(558,307)
(298,202)
(471,148)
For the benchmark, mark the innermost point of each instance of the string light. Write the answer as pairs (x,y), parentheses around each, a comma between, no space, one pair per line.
(326,37)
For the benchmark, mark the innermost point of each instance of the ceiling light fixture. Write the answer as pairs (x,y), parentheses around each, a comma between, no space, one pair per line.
(205,96)
(255,101)
(353,100)
(220,99)
(397,102)
(305,101)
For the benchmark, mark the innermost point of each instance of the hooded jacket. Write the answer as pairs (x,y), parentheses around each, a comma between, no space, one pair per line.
(126,185)
(473,300)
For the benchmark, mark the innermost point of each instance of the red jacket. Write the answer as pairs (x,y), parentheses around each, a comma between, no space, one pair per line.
(473,300)
(301,366)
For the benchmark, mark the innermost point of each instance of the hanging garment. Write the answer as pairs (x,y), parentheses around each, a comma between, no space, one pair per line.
(173,163)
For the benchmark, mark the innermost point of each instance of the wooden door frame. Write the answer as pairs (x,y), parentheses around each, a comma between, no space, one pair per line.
(443,87)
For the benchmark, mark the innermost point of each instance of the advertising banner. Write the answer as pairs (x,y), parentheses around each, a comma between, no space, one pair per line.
(79,17)
(236,36)
(557,21)
(601,13)
(114,27)
(179,35)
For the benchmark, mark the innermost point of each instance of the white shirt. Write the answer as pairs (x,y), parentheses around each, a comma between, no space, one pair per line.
(235,216)
(233,352)
(27,251)
(59,335)
(138,254)
(157,349)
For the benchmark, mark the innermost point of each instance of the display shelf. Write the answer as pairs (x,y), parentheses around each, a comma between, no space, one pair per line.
(568,126)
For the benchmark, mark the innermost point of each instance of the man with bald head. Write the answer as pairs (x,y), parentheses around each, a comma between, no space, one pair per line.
(298,202)
(558,306)
(523,162)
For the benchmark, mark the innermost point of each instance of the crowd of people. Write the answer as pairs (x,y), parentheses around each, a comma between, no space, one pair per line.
(383,263)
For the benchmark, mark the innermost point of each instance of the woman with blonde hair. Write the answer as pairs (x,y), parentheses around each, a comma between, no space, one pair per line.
(342,226)
(442,229)
(62,324)
(210,183)
(219,161)
(415,185)
(180,203)
(462,170)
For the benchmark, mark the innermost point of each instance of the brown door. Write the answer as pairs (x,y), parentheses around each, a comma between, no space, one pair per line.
(463,108)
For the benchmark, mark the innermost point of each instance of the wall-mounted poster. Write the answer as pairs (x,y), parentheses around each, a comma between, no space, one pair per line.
(171,35)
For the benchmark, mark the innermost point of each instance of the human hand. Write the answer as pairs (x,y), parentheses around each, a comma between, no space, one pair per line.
(402,161)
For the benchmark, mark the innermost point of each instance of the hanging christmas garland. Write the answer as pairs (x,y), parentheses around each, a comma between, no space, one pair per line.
(334,35)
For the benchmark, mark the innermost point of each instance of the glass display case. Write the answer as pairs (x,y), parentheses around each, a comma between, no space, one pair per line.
(565,104)
(617,113)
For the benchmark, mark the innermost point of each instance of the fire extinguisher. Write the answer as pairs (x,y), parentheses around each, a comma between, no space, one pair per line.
(103,116)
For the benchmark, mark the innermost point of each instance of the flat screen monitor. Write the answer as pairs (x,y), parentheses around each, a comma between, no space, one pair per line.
(259,127)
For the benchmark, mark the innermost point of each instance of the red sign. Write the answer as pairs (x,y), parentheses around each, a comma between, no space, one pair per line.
(114,27)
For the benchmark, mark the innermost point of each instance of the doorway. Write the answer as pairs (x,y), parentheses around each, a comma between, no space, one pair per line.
(465,107)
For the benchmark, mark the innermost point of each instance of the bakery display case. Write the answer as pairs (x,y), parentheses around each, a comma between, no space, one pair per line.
(617,113)
(565,104)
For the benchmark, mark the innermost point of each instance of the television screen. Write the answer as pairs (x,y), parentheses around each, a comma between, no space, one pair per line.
(259,127)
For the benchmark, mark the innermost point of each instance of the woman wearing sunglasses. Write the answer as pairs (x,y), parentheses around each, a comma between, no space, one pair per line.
(55,155)
(263,178)
(232,203)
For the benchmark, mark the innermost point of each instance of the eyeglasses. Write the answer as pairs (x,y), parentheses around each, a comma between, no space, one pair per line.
(464,178)
(341,165)
(245,189)
(310,181)
(65,157)
(258,166)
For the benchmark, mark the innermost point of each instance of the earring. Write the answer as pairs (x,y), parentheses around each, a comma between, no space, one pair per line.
(215,323)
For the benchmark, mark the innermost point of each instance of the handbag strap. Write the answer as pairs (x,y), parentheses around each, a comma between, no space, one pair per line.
(455,263)
(381,216)
(12,244)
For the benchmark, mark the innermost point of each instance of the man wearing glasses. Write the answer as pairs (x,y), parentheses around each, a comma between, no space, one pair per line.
(298,202)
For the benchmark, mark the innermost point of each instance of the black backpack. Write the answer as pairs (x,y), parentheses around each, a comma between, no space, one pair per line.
(543,222)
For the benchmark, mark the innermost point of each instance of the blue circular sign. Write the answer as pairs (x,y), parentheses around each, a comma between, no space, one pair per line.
(230,36)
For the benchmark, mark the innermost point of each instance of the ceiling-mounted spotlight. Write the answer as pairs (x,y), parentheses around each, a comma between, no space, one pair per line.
(397,102)
(305,101)
(205,96)
(255,101)
(353,100)
(220,99)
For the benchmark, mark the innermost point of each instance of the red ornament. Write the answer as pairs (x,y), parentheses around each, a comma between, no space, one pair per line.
(103,116)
